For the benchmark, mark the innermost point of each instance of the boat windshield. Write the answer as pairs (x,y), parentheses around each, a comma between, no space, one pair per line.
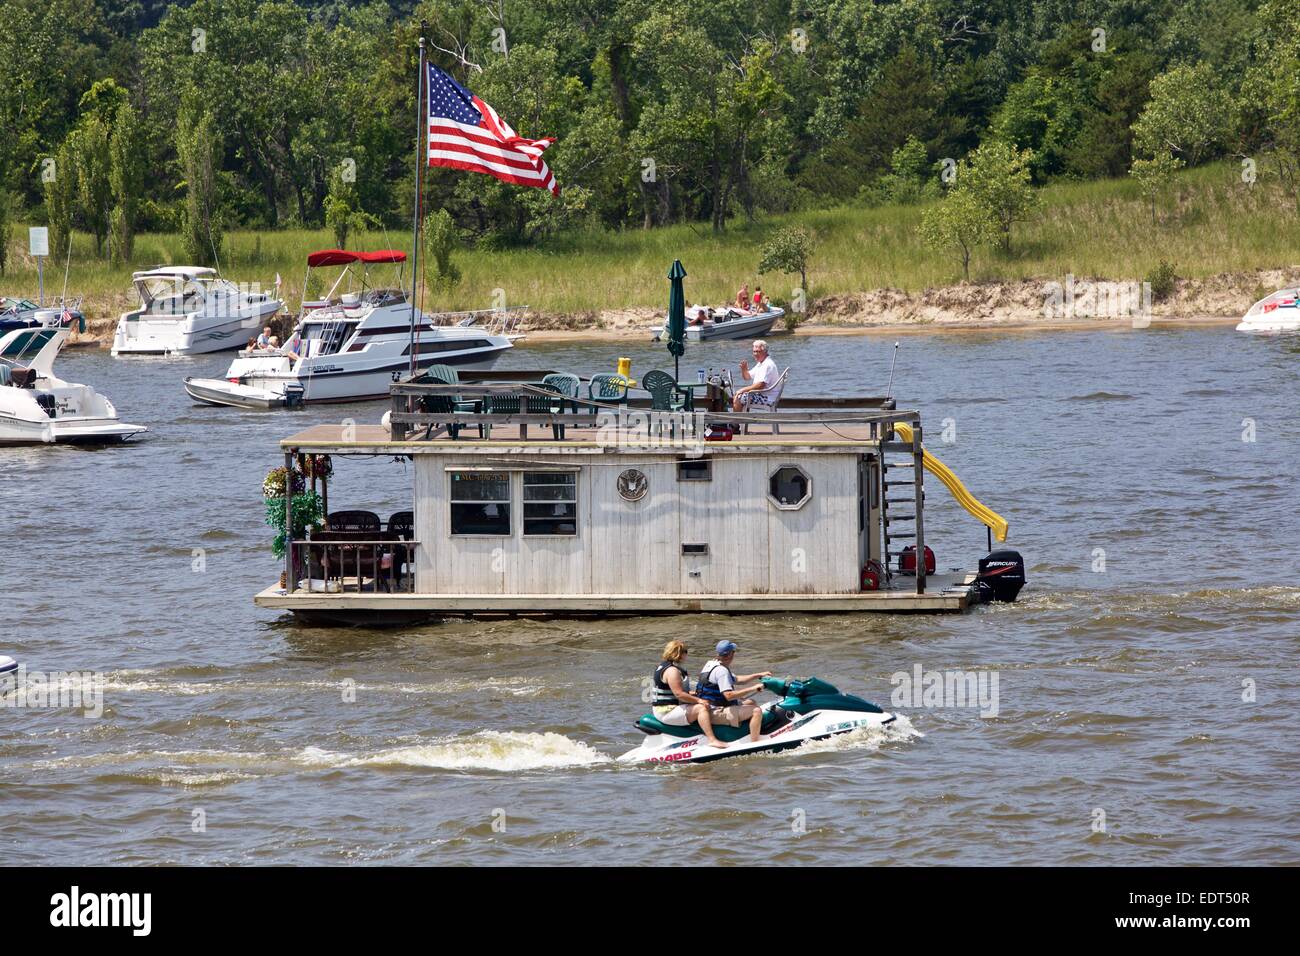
(1283,298)
(324,338)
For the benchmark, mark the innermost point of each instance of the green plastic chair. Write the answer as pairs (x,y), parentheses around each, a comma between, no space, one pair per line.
(565,384)
(551,404)
(608,388)
(444,404)
(665,394)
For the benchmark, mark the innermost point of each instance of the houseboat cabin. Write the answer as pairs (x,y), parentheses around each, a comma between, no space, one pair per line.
(527,502)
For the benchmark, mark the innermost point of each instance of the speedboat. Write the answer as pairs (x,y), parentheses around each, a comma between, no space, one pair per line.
(188,310)
(808,710)
(1279,312)
(37,407)
(26,314)
(727,323)
(349,348)
(8,668)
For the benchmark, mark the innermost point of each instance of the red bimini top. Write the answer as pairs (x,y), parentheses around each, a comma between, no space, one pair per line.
(341,257)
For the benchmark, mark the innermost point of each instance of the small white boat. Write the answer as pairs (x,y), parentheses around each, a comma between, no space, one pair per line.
(36,407)
(26,314)
(188,310)
(1279,312)
(349,349)
(729,323)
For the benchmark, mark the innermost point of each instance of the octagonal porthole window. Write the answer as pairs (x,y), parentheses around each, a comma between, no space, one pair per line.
(789,487)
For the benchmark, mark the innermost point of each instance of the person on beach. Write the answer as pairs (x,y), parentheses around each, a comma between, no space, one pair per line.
(761,377)
(673,703)
(727,702)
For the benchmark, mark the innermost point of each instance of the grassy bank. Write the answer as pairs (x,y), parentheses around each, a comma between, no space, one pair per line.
(1210,224)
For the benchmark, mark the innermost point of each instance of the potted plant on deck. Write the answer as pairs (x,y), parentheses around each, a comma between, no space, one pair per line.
(306,507)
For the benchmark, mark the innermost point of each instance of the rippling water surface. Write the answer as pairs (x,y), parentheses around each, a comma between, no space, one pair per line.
(1162,561)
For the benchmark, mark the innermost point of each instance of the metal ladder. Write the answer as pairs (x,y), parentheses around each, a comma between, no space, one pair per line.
(902,504)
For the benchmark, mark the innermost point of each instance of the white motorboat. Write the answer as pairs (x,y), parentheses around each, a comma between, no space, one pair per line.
(1279,312)
(26,314)
(188,310)
(703,324)
(349,348)
(36,407)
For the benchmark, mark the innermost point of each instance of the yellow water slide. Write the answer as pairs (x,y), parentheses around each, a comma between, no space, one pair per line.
(964,498)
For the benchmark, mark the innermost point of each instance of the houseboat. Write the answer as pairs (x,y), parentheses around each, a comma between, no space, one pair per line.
(527,502)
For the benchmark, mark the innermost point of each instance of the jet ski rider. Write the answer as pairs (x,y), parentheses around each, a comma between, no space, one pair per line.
(673,703)
(727,702)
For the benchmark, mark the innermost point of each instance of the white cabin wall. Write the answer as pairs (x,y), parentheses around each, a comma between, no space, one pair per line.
(634,547)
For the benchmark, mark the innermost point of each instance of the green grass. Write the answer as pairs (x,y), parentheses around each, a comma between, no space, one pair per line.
(1210,223)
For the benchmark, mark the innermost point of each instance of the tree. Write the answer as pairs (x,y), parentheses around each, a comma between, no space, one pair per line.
(126,178)
(4,226)
(911,176)
(439,242)
(1188,114)
(1154,176)
(996,177)
(94,188)
(342,206)
(789,250)
(198,149)
(958,224)
(59,184)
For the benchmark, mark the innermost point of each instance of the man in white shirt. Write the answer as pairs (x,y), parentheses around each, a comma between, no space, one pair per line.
(728,703)
(761,377)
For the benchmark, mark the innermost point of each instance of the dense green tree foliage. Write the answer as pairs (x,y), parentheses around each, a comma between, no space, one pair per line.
(664,110)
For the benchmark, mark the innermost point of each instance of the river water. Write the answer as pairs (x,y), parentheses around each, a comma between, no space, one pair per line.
(1147,679)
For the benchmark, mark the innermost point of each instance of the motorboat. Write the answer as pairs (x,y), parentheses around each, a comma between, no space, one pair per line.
(703,323)
(350,347)
(807,710)
(1279,312)
(37,407)
(190,310)
(26,314)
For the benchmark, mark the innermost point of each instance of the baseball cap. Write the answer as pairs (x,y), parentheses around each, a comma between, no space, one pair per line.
(725,647)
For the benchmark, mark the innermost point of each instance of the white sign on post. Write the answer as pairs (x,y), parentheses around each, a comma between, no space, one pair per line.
(38,239)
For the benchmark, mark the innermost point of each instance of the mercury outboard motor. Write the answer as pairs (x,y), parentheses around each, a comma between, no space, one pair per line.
(1001,576)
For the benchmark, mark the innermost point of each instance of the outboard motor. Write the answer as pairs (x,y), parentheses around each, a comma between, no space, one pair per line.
(1001,576)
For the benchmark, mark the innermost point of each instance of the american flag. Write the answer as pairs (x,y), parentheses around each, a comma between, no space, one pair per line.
(466,133)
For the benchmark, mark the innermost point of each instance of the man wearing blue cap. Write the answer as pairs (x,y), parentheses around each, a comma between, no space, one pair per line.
(727,702)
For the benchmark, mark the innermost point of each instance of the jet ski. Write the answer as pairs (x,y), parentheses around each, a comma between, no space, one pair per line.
(808,709)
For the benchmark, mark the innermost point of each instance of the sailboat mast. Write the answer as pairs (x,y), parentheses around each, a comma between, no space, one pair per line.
(421,153)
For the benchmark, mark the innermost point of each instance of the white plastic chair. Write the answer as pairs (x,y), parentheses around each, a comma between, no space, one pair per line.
(773,395)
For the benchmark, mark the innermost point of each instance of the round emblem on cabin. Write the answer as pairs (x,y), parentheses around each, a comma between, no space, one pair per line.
(633,484)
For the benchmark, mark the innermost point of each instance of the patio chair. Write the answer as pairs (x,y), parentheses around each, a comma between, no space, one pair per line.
(548,404)
(667,396)
(608,388)
(567,385)
(445,404)
(773,395)
(498,405)
(354,521)
(402,526)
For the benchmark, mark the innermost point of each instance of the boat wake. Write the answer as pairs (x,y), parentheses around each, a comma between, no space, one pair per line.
(506,751)
(863,738)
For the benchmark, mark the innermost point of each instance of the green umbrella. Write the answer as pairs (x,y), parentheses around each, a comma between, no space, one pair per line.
(675,328)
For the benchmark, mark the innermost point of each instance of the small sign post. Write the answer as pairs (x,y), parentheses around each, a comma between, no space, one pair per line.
(38,243)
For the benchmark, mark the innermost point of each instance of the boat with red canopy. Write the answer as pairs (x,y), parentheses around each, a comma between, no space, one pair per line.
(347,346)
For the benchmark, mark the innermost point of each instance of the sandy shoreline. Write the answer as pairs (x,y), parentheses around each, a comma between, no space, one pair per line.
(1010,307)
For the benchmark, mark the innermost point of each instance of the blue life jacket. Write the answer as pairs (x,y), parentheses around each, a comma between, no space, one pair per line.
(708,689)
(664,696)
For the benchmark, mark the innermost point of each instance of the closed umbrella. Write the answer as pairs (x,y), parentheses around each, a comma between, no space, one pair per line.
(676,327)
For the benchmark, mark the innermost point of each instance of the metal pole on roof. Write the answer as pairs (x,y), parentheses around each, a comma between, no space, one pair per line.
(421,151)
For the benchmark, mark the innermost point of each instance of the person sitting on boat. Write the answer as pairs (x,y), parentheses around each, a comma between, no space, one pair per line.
(758,300)
(742,297)
(293,348)
(727,702)
(273,343)
(761,377)
(673,703)
(264,340)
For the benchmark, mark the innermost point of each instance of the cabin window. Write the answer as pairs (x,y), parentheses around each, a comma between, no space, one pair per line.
(695,469)
(480,502)
(550,503)
(789,487)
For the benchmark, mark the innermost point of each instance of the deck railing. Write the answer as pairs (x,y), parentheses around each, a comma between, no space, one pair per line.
(336,562)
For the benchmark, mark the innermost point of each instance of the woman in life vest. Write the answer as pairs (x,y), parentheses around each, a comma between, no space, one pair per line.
(673,703)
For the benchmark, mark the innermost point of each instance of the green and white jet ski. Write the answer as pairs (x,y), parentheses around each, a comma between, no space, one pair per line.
(808,710)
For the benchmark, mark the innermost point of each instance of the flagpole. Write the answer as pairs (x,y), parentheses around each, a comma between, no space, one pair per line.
(421,155)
